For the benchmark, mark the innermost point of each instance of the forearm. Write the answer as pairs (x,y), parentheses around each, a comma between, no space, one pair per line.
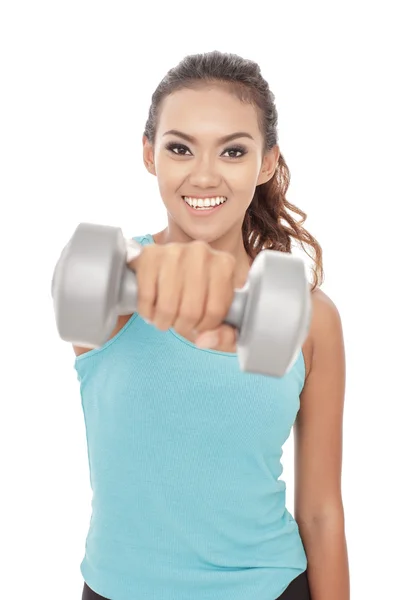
(328,567)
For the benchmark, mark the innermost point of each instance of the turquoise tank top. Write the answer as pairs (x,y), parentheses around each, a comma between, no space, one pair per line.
(184,457)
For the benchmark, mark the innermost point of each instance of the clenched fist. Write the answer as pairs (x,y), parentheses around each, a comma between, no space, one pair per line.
(190,287)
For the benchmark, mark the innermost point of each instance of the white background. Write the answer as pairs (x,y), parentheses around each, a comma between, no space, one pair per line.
(76,83)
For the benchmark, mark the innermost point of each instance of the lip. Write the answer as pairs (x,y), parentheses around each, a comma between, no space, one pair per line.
(203,213)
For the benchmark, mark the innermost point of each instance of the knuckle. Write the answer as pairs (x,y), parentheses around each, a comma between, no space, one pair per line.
(199,247)
(173,250)
(199,244)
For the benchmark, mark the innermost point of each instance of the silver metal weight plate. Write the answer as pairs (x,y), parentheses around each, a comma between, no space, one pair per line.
(86,284)
(277,314)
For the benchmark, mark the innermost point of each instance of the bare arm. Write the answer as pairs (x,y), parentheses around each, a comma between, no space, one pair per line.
(318,457)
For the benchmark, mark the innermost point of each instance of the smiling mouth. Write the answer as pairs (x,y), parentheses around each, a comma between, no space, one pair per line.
(204,204)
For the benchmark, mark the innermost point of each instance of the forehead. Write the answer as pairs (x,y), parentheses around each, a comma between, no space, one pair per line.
(206,111)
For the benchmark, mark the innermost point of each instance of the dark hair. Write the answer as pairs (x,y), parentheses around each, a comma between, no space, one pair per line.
(263,225)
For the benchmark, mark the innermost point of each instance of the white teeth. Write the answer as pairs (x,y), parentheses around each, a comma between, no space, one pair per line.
(204,203)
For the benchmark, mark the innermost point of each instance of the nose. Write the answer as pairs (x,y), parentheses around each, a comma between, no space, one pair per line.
(204,174)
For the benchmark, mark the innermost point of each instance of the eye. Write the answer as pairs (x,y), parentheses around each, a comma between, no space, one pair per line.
(172,146)
(239,149)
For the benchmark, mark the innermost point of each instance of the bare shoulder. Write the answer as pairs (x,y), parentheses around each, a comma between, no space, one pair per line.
(325,321)
(326,317)
(122,320)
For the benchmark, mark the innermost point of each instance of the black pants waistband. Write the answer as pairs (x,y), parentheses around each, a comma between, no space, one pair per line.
(298,589)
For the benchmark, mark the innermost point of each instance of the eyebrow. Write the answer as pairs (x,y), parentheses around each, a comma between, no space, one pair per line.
(222,140)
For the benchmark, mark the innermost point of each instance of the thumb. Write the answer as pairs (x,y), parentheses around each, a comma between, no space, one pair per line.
(222,338)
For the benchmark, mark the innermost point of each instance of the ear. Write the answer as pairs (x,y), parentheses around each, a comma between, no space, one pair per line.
(269,165)
(148,156)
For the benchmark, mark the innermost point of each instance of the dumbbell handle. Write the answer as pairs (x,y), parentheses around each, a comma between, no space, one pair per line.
(127,303)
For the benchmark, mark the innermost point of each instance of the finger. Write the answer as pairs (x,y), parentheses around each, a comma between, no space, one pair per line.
(146,267)
(220,292)
(195,289)
(169,289)
(223,338)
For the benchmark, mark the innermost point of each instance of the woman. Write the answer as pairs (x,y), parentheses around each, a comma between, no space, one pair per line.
(184,448)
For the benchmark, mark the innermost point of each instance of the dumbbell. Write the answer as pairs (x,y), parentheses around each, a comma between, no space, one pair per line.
(92,285)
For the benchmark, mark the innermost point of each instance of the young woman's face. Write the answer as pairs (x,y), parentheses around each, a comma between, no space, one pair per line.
(191,160)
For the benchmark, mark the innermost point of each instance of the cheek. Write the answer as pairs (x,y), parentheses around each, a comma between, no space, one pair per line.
(241,177)
(169,172)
